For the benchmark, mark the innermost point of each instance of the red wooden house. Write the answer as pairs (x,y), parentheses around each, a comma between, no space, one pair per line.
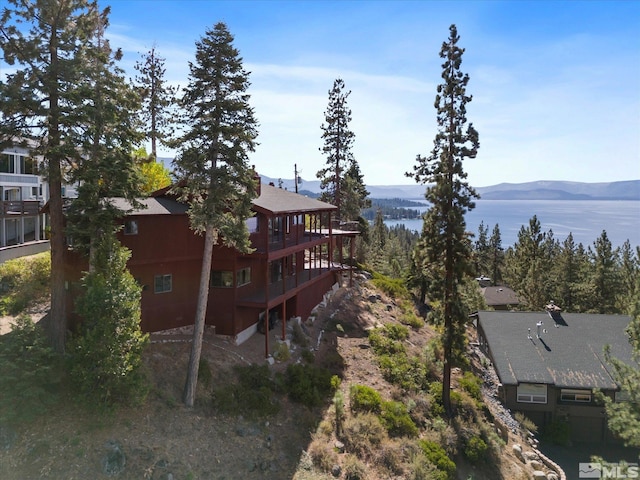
(287,275)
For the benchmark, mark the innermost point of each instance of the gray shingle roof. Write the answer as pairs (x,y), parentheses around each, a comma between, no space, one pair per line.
(499,295)
(153,206)
(277,200)
(569,355)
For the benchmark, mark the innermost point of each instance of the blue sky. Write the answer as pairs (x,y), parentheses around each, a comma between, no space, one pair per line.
(555,85)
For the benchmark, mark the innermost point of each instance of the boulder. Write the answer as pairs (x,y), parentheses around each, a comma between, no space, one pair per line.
(114,460)
(517,451)
(539,475)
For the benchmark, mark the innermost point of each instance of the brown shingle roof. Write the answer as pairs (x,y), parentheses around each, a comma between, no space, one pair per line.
(277,200)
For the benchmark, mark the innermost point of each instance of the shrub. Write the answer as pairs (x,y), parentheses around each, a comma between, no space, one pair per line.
(308,356)
(395,418)
(395,331)
(298,335)
(106,356)
(475,449)
(322,454)
(338,405)
(354,469)
(394,287)
(471,384)
(281,352)
(365,399)
(251,395)
(363,434)
(412,320)
(383,345)
(525,422)
(306,384)
(28,377)
(438,457)
(24,281)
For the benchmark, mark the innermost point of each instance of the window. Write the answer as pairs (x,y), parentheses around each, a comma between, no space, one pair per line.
(243,276)
(7,164)
(275,269)
(34,192)
(28,165)
(252,224)
(568,395)
(275,229)
(532,393)
(162,284)
(221,279)
(131,227)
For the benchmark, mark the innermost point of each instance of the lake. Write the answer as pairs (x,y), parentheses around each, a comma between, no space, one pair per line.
(585,219)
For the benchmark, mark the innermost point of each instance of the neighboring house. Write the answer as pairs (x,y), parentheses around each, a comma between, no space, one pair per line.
(286,276)
(22,193)
(500,297)
(550,363)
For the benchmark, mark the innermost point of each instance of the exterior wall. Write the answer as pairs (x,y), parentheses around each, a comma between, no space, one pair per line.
(587,422)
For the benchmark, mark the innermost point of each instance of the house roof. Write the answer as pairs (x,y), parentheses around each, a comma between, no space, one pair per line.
(568,354)
(499,295)
(277,200)
(272,200)
(152,206)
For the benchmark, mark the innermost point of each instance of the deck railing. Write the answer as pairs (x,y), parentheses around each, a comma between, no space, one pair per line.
(15,208)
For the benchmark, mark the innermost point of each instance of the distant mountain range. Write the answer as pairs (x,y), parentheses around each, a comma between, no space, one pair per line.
(540,190)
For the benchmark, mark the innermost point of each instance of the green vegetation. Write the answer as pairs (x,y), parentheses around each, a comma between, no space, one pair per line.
(438,456)
(250,393)
(306,384)
(24,282)
(365,399)
(396,419)
(29,373)
(105,356)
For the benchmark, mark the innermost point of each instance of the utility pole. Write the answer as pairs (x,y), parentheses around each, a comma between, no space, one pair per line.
(295,175)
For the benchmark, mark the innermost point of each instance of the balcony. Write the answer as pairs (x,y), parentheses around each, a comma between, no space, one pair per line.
(19,208)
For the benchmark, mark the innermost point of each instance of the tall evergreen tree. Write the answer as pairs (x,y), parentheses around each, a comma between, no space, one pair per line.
(212,166)
(481,251)
(629,271)
(51,43)
(107,168)
(605,276)
(496,256)
(527,266)
(341,182)
(446,243)
(157,96)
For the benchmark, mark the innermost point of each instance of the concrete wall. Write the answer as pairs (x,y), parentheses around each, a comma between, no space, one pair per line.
(23,250)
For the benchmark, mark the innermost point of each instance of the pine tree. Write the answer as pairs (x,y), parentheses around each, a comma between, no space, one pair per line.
(624,417)
(341,182)
(107,168)
(605,279)
(496,256)
(51,44)
(212,166)
(158,98)
(446,245)
(481,251)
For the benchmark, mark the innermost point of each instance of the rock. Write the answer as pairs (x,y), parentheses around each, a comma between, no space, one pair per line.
(529,456)
(517,451)
(373,298)
(536,465)
(539,475)
(114,461)
(339,446)
(552,476)
(336,471)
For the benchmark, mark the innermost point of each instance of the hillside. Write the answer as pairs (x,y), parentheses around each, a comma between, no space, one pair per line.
(162,440)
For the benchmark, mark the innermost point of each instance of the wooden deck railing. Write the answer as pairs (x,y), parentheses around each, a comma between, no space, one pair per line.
(27,208)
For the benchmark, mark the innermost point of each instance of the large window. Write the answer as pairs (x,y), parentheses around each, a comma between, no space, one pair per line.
(581,396)
(7,164)
(222,279)
(243,276)
(162,283)
(28,165)
(532,393)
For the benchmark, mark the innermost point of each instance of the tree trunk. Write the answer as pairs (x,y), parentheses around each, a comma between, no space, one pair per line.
(57,314)
(198,329)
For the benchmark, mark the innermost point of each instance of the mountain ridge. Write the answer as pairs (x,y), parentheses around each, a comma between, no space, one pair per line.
(536,190)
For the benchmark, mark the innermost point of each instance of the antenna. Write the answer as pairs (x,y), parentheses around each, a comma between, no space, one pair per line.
(538,328)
